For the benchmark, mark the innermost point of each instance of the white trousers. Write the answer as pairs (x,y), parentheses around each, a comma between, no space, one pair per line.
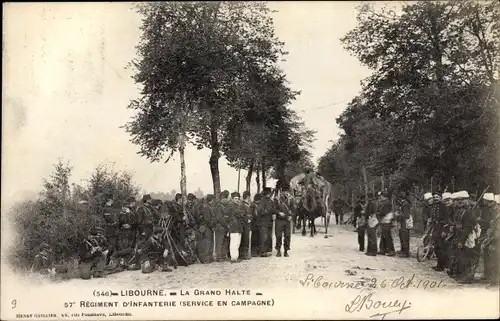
(234,245)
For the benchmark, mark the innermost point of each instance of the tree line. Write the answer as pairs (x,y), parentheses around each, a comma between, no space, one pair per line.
(209,76)
(429,113)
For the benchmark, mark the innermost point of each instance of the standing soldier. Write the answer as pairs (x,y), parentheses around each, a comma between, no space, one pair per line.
(145,219)
(490,248)
(266,196)
(93,254)
(205,230)
(360,223)
(246,226)
(385,216)
(222,222)
(441,213)
(371,226)
(282,224)
(405,223)
(235,227)
(488,211)
(468,233)
(255,236)
(426,214)
(265,212)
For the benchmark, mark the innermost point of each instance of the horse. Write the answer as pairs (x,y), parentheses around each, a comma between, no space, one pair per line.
(310,206)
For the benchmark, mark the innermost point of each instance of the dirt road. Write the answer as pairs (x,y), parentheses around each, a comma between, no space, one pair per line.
(323,278)
(335,257)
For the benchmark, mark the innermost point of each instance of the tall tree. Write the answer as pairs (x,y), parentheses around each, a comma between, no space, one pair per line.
(205,53)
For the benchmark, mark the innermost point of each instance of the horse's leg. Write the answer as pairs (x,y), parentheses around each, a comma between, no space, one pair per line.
(311,221)
(303,219)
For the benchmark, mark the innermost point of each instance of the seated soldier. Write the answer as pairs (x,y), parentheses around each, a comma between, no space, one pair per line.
(93,255)
(43,260)
(153,253)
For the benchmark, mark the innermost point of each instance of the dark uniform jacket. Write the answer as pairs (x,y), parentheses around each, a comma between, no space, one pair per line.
(112,223)
(265,212)
(151,249)
(237,216)
(384,207)
(85,248)
(405,207)
(204,217)
(144,215)
(222,217)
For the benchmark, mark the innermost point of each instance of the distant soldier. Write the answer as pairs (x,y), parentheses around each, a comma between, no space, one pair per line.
(43,260)
(385,217)
(371,226)
(145,219)
(360,223)
(93,254)
(405,224)
(205,233)
(283,220)
(338,208)
(246,226)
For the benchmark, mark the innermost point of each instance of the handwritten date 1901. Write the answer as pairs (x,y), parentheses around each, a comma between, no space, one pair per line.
(405,283)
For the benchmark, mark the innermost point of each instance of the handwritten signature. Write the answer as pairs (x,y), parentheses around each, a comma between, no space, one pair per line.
(319,282)
(364,301)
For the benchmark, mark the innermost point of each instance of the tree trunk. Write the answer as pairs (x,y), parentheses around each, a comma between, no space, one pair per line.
(183,172)
(280,173)
(263,170)
(214,157)
(249,174)
(239,176)
(257,179)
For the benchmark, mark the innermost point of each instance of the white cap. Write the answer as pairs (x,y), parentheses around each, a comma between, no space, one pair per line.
(446,195)
(462,194)
(427,196)
(497,198)
(489,197)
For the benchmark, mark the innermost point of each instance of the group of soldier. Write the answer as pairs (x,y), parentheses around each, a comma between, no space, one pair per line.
(460,229)
(152,235)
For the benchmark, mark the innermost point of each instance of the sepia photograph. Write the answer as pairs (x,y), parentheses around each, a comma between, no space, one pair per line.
(251,160)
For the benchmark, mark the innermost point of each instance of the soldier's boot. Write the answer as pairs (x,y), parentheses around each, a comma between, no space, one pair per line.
(286,254)
(278,253)
(165,268)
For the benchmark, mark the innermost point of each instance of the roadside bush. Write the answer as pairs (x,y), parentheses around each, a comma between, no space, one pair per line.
(58,218)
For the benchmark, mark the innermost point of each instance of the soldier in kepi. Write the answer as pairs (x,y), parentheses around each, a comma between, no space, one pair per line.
(385,216)
(246,226)
(145,219)
(205,234)
(405,224)
(154,252)
(265,211)
(490,249)
(221,223)
(283,221)
(43,260)
(489,212)
(93,252)
(235,227)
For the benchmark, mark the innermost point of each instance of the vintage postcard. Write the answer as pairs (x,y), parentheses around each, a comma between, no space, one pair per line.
(250,160)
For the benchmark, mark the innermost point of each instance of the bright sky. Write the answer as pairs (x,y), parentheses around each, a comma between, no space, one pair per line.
(66,89)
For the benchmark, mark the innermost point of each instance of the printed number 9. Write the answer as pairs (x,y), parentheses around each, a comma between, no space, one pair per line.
(14,304)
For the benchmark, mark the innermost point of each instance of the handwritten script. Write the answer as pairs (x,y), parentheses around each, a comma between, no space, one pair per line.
(365,302)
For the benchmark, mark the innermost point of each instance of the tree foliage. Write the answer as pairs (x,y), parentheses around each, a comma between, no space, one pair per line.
(430,107)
